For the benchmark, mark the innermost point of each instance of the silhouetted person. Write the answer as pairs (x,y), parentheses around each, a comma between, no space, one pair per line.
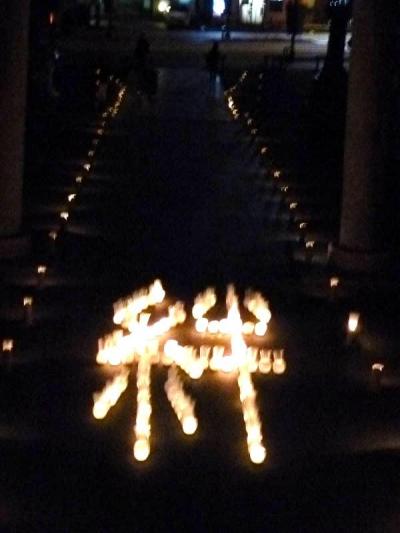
(225,31)
(141,52)
(145,72)
(213,60)
(292,23)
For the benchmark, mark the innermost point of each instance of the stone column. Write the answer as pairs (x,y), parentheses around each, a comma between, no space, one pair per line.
(14,35)
(363,242)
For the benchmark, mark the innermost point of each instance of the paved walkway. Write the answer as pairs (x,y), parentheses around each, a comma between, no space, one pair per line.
(174,191)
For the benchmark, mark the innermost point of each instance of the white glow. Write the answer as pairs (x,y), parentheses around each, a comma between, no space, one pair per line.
(353,322)
(201,325)
(218,7)
(8,345)
(163,6)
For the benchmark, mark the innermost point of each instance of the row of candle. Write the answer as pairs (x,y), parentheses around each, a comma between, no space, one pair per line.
(182,403)
(250,123)
(141,447)
(108,397)
(247,393)
(64,215)
(127,309)
(203,302)
(117,348)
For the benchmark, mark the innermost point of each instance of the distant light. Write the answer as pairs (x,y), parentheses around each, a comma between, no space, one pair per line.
(257,453)
(333,282)
(28,301)
(163,6)
(8,345)
(353,322)
(141,450)
(42,269)
(218,7)
(189,424)
(378,366)
(51,18)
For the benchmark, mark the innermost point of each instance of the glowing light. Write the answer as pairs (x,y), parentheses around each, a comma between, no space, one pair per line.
(310,244)
(293,205)
(127,309)
(71,197)
(181,403)
(90,153)
(378,366)
(53,235)
(163,6)
(41,269)
(353,322)
(258,306)
(108,397)
(265,362)
(333,282)
(201,325)
(279,363)
(141,448)
(277,174)
(213,326)
(218,7)
(204,302)
(260,329)
(264,150)
(303,225)
(78,179)
(8,345)
(285,188)
(28,301)
(64,215)
(86,166)
(146,343)
(257,453)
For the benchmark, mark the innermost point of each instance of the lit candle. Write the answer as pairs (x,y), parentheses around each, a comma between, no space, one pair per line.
(333,282)
(8,345)
(353,322)
(279,364)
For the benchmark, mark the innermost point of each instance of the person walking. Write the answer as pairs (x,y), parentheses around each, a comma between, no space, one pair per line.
(213,61)
(292,24)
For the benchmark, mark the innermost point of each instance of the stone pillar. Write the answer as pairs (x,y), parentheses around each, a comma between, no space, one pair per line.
(363,242)
(14,28)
